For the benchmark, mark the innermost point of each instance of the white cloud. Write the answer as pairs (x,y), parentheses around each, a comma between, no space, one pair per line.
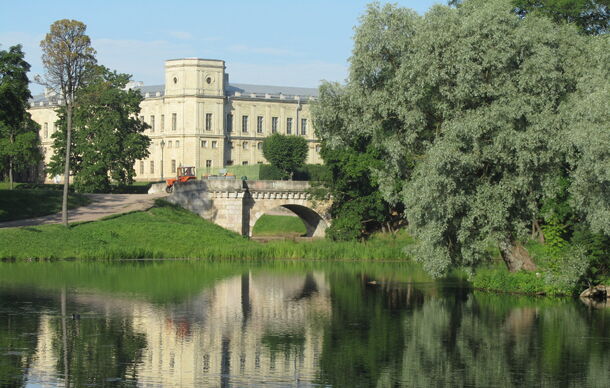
(299,74)
(183,35)
(143,59)
(31,48)
(264,50)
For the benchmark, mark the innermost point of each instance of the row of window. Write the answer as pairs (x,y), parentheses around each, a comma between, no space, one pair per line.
(162,127)
(151,170)
(244,124)
(274,125)
(214,144)
(243,163)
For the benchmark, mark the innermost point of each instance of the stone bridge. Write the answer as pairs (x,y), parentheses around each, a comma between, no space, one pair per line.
(237,205)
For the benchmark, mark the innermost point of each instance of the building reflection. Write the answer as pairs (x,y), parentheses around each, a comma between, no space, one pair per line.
(246,330)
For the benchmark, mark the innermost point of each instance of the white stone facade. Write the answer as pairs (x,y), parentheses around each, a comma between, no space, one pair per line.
(205,121)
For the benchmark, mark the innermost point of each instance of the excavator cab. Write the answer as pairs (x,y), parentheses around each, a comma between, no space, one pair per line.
(184,174)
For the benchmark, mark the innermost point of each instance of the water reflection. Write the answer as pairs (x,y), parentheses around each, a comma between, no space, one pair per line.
(328,325)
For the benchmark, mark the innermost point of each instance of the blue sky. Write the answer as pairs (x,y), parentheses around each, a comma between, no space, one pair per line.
(289,43)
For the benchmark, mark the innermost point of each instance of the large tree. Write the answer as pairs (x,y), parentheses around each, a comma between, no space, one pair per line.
(498,82)
(68,59)
(19,142)
(107,137)
(287,153)
(460,104)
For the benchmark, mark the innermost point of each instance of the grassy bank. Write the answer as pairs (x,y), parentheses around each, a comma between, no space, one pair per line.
(566,272)
(287,226)
(167,231)
(22,203)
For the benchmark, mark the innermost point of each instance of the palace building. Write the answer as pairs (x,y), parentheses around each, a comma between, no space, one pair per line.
(200,119)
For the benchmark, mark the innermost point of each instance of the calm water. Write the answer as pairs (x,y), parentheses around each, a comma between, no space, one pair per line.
(176,323)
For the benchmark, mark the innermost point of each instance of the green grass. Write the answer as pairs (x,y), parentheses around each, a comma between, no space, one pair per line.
(23,203)
(167,231)
(286,226)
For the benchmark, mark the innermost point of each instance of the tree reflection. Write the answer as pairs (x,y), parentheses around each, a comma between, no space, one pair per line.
(459,340)
(96,351)
(18,336)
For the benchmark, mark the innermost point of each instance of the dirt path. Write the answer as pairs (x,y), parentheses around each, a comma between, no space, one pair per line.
(101,205)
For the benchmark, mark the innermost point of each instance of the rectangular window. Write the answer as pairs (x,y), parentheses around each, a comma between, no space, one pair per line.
(177,143)
(173,165)
(214,144)
(229,123)
(162,123)
(229,163)
(303,127)
(259,146)
(244,163)
(204,144)
(174,121)
(208,163)
(169,144)
(245,145)
(46,130)
(208,121)
(289,126)
(259,124)
(231,145)
(274,124)
(141,167)
(152,123)
(244,123)
(152,166)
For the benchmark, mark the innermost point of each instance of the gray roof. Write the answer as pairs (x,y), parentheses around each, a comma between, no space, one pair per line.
(246,91)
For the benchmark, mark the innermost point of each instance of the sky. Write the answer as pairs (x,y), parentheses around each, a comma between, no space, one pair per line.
(265,42)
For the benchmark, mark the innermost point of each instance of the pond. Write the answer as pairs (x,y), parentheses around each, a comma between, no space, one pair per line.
(286,323)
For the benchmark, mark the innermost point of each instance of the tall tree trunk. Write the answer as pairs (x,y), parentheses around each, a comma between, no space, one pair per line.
(515,256)
(10,165)
(64,204)
(10,172)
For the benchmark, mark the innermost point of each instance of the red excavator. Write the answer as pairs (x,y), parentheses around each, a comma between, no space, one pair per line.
(184,174)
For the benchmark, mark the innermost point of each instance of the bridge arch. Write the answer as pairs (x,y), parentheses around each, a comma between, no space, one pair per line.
(315,224)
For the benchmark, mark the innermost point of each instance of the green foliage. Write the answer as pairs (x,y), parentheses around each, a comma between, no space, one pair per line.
(29,203)
(585,137)
(287,153)
(591,16)
(107,138)
(19,143)
(358,207)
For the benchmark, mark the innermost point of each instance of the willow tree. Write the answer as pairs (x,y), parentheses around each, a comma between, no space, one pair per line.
(68,59)
(497,82)
(461,104)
